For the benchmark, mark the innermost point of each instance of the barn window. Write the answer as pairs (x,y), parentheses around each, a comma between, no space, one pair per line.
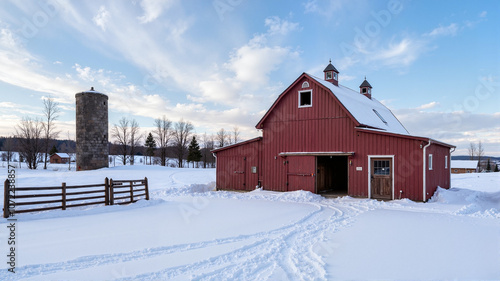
(305,98)
(335,76)
(382,167)
(446,162)
(430,161)
(305,84)
(380,116)
(329,75)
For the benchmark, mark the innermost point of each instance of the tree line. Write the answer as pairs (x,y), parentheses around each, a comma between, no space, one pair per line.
(476,152)
(169,140)
(36,138)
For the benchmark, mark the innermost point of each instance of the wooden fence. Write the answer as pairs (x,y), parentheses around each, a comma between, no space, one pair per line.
(62,197)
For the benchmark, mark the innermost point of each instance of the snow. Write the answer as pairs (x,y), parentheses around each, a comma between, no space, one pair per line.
(464,164)
(189,231)
(63,155)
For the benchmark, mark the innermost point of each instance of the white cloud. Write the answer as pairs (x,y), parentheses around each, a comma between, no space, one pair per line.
(20,68)
(245,81)
(483,14)
(276,25)
(153,9)
(450,30)
(402,53)
(325,8)
(428,105)
(253,63)
(456,128)
(102,18)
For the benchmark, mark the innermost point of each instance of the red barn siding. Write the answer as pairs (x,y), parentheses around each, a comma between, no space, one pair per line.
(234,166)
(439,175)
(326,126)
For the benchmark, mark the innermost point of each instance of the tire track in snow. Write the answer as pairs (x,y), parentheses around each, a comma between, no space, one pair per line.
(286,251)
(280,250)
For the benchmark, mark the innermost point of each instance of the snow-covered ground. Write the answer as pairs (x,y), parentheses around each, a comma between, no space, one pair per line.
(187,231)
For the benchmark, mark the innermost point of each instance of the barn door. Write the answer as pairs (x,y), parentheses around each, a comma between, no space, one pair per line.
(300,173)
(237,170)
(381,178)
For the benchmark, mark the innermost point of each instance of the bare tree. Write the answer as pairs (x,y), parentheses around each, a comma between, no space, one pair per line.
(472,150)
(8,147)
(204,152)
(121,134)
(236,134)
(135,138)
(181,133)
(163,134)
(51,113)
(29,134)
(222,137)
(480,152)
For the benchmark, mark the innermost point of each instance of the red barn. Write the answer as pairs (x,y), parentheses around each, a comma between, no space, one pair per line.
(325,138)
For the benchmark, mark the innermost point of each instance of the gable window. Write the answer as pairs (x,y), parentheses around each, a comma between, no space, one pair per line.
(305,84)
(305,98)
(430,162)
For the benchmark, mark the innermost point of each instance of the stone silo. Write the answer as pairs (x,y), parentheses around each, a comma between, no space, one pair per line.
(91,130)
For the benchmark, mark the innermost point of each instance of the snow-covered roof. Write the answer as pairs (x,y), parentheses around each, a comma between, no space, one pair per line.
(368,112)
(464,164)
(63,155)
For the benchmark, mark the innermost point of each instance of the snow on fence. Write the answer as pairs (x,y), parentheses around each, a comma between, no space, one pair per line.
(111,192)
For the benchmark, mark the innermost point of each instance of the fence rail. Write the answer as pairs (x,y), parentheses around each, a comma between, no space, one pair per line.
(78,195)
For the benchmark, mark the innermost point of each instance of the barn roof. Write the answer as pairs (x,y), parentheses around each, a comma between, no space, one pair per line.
(367,112)
(464,164)
(236,144)
(62,155)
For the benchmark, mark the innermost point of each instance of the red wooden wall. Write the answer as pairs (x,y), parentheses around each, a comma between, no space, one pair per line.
(326,127)
(234,166)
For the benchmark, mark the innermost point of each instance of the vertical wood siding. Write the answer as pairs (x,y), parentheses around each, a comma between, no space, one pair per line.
(326,127)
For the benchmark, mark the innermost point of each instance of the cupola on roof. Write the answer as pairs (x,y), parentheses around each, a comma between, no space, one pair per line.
(330,67)
(365,84)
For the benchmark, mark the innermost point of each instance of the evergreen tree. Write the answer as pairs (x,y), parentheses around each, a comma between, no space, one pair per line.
(150,146)
(194,152)
(53,150)
(496,167)
(488,166)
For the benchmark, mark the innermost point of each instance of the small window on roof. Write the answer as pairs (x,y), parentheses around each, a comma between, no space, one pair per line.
(380,116)
(305,98)
(329,75)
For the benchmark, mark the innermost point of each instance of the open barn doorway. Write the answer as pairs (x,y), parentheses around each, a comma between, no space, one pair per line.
(332,175)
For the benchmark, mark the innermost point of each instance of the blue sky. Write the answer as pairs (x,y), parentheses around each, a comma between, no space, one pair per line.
(222,63)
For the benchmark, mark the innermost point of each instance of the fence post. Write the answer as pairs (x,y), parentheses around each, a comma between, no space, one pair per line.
(131,192)
(6,194)
(106,191)
(111,193)
(146,187)
(64,196)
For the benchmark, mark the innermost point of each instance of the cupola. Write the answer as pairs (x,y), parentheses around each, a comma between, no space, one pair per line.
(366,89)
(331,74)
